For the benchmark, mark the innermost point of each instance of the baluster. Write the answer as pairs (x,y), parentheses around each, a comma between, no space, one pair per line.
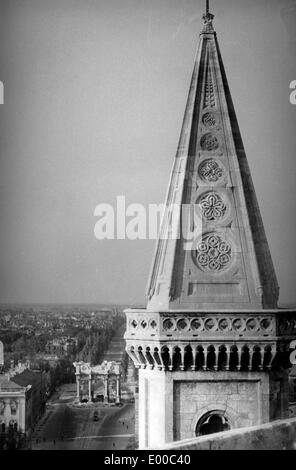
(216,349)
(182,352)
(261,358)
(228,352)
(194,352)
(239,358)
(251,354)
(205,350)
(170,358)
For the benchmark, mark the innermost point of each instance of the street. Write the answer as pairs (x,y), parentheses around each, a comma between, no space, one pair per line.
(71,427)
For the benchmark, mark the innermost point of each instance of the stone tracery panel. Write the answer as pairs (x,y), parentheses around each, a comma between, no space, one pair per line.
(213,207)
(213,253)
(189,324)
(209,98)
(210,171)
(210,120)
(220,325)
(209,142)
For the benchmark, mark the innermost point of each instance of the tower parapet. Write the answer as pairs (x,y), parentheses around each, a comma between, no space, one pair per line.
(234,340)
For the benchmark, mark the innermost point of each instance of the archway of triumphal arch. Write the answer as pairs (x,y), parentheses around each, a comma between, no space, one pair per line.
(101,381)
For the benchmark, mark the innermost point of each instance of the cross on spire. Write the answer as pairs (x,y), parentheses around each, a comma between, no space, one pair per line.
(208,19)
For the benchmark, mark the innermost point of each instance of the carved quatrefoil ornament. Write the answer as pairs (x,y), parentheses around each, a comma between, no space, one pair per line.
(210,171)
(213,254)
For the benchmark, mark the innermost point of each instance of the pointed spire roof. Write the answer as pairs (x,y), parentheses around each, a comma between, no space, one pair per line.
(227,263)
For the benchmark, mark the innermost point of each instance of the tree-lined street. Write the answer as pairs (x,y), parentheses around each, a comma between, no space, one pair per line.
(72,427)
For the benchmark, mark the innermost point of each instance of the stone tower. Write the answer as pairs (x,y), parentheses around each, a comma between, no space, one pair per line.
(211,347)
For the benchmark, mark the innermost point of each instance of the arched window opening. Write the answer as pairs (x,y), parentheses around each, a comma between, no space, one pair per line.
(165,356)
(256,362)
(212,423)
(156,357)
(222,358)
(149,357)
(211,358)
(188,358)
(245,359)
(177,358)
(200,358)
(141,355)
(233,363)
(267,358)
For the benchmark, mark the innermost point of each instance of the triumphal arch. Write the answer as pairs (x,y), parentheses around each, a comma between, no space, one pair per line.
(88,377)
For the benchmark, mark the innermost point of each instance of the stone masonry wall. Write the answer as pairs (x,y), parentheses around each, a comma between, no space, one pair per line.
(243,398)
(278,435)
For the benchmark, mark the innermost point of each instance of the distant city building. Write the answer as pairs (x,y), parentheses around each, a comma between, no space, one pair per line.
(22,398)
(51,359)
(12,405)
(61,346)
(36,384)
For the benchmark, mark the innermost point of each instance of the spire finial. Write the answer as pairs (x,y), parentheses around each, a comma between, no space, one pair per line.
(208,20)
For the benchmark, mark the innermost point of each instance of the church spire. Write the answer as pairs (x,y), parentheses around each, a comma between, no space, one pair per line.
(228,265)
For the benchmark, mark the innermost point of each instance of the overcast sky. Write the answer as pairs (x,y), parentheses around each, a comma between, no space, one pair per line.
(95,92)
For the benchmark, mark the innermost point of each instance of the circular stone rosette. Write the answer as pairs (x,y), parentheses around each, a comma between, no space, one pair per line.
(197,324)
(210,120)
(213,253)
(210,171)
(169,324)
(212,206)
(183,324)
(209,142)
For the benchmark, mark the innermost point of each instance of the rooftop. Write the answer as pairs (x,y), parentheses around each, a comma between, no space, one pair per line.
(27,377)
(7,385)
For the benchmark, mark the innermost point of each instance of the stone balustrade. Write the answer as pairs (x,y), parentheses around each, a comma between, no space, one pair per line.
(198,340)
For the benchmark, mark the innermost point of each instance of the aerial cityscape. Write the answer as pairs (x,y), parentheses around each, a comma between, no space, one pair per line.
(41,345)
(95,99)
